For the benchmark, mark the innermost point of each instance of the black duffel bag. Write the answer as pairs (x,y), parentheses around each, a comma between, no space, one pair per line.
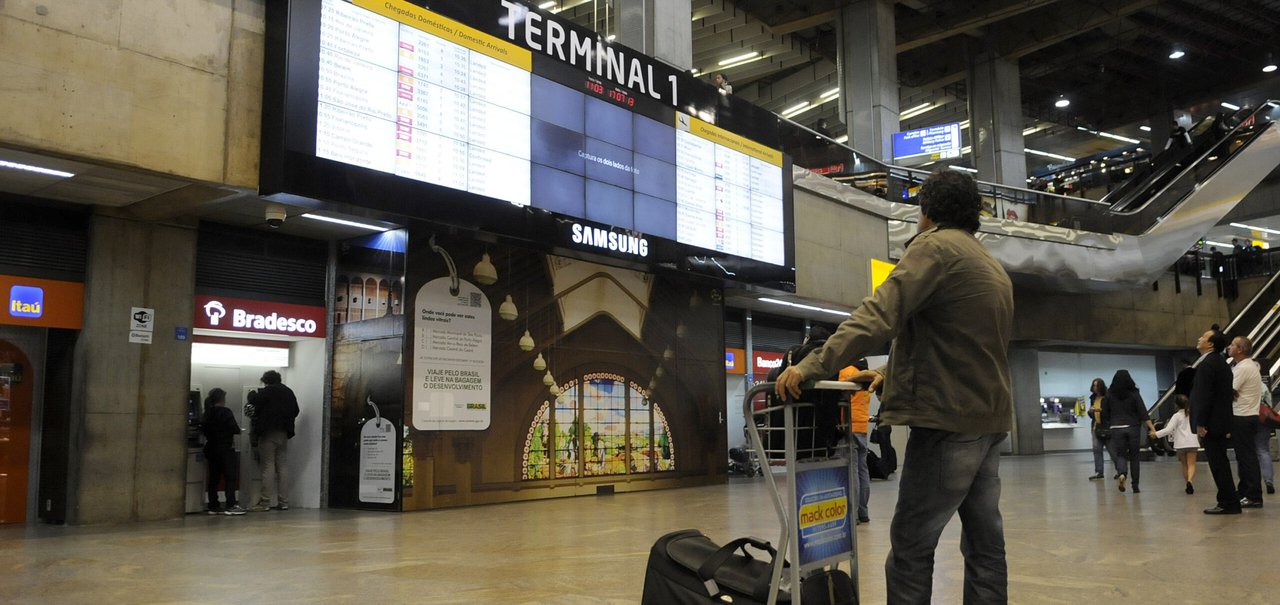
(687,568)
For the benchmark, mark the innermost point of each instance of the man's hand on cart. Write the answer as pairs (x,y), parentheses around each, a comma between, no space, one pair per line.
(788,383)
(873,379)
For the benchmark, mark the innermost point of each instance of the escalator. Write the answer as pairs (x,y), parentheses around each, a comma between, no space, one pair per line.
(1074,244)
(1165,165)
(1260,322)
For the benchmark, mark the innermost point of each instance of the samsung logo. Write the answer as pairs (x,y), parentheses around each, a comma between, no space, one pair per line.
(26,301)
(609,240)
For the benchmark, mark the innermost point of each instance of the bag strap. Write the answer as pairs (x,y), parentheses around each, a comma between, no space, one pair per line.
(707,571)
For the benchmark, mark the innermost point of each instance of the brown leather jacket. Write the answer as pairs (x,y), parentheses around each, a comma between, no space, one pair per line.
(948,306)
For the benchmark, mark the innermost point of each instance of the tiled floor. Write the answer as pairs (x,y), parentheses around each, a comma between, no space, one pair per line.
(1070,540)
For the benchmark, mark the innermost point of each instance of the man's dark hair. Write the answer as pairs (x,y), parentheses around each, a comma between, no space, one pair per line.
(271,377)
(817,333)
(951,200)
(1218,339)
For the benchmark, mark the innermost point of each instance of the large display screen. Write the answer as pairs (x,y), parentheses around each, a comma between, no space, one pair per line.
(408,91)
(924,145)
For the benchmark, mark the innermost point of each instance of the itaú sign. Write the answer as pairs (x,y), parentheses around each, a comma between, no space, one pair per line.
(243,315)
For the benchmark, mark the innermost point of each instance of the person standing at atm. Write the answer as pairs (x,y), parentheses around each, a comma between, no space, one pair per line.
(219,428)
(275,409)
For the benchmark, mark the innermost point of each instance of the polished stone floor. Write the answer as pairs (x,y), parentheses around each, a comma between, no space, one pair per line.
(1070,540)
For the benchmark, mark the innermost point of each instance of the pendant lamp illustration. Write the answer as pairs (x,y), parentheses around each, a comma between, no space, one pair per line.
(507,310)
(539,363)
(548,379)
(484,272)
(526,345)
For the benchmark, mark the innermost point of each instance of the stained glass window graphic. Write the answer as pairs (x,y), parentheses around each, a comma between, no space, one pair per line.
(603,425)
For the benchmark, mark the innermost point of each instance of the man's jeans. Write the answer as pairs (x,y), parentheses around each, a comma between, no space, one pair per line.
(1262,441)
(945,473)
(273,447)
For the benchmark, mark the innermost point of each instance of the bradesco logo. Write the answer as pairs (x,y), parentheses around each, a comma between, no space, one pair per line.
(257,316)
(26,301)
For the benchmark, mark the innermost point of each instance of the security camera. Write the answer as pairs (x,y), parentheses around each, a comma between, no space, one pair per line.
(276,215)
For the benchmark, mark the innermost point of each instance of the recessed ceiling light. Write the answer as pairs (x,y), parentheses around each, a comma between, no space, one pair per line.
(339,221)
(1177,53)
(739,58)
(1062,102)
(1230,106)
(1270,67)
(1144,128)
(36,169)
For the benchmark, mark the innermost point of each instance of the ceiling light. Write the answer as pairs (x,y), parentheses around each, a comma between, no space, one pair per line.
(1213,243)
(339,221)
(36,169)
(611,37)
(738,58)
(1177,53)
(1062,101)
(915,111)
(844,138)
(964,168)
(742,62)
(964,124)
(1255,228)
(796,109)
(1144,128)
(546,5)
(787,303)
(830,93)
(1119,138)
(1048,155)
(1270,67)
(1230,106)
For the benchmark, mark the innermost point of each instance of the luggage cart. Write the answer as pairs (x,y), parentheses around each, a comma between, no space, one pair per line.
(815,491)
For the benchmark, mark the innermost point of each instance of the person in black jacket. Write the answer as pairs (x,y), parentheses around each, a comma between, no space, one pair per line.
(1124,412)
(219,427)
(275,409)
(1211,417)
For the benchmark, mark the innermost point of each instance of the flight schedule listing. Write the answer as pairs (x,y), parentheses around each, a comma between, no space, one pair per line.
(408,92)
(430,102)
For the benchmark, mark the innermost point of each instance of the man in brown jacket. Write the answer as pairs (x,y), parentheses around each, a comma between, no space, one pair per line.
(948,306)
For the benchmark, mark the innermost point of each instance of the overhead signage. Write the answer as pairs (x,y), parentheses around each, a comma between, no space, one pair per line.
(261,317)
(763,361)
(735,361)
(42,302)
(475,102)
(927,144)
(26,301)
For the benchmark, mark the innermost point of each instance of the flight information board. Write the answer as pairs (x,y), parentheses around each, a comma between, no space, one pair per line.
(406,91)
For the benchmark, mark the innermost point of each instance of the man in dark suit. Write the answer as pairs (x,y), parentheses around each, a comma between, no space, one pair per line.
(1211,416)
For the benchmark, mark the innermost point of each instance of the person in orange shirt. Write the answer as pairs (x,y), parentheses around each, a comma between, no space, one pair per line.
(859,425)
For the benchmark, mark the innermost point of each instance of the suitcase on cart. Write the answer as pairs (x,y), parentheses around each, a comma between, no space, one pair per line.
(687,568)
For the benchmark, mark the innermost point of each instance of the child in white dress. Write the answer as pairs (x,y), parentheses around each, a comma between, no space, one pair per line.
(1185,442)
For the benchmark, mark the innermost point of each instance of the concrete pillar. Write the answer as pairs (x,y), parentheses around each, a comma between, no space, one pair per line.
(868,71)
(995,118)
(128,448)
(1024,368)
(658,28)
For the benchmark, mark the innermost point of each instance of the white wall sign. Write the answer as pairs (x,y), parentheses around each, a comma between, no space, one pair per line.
(378,461)
(140,336)
(142,319)
(452,354)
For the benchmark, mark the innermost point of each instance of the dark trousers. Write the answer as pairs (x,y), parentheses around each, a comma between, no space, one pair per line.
(1244,435)
(943,474)
(1215,449)
(1124,450)
(222,465)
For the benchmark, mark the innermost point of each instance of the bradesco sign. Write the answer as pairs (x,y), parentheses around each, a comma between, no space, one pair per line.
(261,317)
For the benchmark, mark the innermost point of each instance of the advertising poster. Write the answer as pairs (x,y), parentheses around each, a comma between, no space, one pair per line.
(452,349)
(4,395)
(822,505)
(378,461)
